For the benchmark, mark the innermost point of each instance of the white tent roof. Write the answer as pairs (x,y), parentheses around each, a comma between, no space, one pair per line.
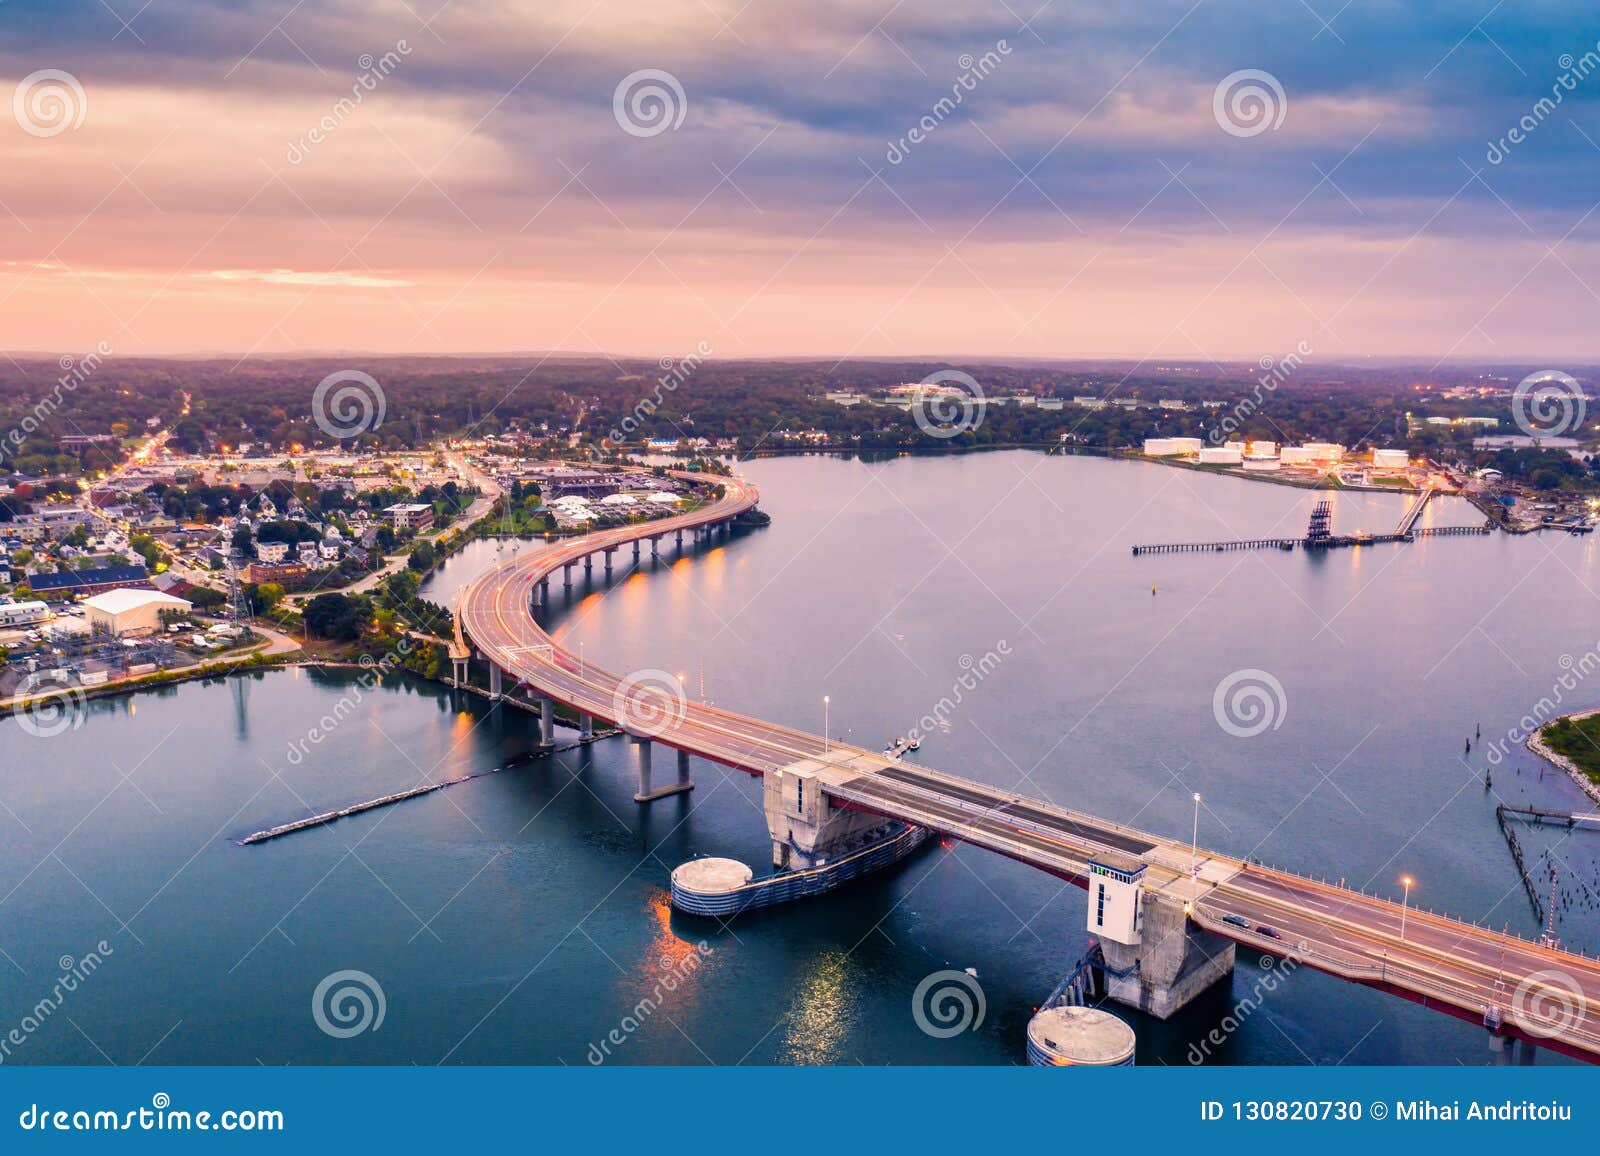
(121,601)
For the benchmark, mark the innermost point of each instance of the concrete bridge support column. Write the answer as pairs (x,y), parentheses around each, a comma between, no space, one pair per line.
(636,549)
(807,829)
(684,782)
(655,548)
(609,552)
(458,672)
(544,591)
(588,565)
(586,726)
(495,691)
(1173,962)
(547,722)
(680,539)
(647,793)
(566,576)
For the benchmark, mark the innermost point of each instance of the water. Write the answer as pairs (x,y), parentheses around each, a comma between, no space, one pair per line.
(522,917)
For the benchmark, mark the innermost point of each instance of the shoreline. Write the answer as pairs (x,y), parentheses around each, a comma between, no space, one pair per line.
(1535,743)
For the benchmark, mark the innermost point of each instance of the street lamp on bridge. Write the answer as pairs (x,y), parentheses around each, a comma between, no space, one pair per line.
(1194,841)
(1405,902)
(824,724)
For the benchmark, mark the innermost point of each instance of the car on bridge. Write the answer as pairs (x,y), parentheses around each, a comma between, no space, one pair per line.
(1237,921)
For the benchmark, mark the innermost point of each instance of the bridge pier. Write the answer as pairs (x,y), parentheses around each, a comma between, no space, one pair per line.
(547,722)
(636,549)
(588,565)
(646,794)
(680,539)
(807,829)
(609,552)
(586,726)
(1156,958)
(458,672)
(566,576)
(544,591)
(495,677)
(655,548)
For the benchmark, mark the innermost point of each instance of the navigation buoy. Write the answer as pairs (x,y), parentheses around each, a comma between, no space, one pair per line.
(1152,591)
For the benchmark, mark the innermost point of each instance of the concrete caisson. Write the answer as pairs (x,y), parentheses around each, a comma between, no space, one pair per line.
(1079,1037)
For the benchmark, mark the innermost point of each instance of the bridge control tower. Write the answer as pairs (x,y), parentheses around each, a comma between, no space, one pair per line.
(1156,958)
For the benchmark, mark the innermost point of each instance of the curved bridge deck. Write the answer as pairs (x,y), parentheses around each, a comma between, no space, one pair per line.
(1536,992)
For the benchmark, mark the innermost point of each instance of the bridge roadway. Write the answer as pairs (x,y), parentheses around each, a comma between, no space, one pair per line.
(1542,993)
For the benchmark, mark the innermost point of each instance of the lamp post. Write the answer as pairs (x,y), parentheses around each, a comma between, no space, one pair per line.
(1194,841)
(1405,903)
(824,724)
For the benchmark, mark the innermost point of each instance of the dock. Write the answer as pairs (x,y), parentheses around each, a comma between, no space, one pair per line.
(1586,820)
(1318,535)
(326,817)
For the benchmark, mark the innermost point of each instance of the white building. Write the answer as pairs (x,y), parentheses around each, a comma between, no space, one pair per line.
(124,612)
(1116,887)
(1390,459)
(272,552)
(23,613)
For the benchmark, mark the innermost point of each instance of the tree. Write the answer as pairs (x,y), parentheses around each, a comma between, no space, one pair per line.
(265,596)
(335,616)
(422,557)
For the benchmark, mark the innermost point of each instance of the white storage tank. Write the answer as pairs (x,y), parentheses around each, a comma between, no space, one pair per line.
(1390,459)
(1221,456)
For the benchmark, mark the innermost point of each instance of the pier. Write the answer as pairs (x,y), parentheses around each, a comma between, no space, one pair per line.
(1319,535)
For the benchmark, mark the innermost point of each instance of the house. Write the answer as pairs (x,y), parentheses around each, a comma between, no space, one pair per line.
(272,552)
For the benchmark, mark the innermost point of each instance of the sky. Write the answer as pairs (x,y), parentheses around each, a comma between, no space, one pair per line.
(1193,180)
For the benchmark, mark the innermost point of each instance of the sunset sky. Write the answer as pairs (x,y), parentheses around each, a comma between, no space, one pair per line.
(1084,198)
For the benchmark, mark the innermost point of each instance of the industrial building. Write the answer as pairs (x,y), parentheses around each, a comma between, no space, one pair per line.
(132,612)
(96,581)
(1390,459)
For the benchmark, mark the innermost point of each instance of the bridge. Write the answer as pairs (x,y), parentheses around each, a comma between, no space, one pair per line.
(1168,916)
